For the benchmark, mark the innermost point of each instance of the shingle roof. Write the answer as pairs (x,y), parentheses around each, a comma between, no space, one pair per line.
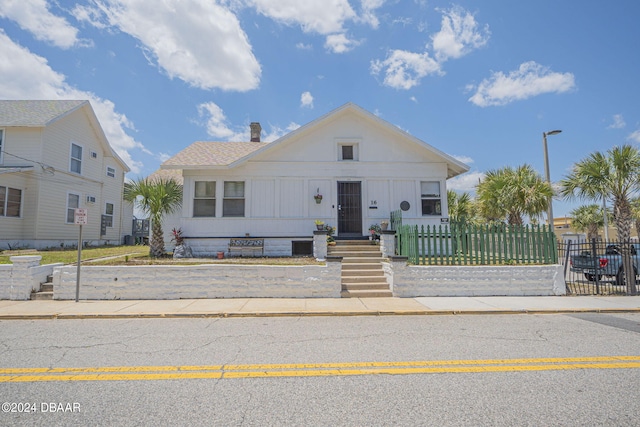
(212,154)
(34,113)
(175,174)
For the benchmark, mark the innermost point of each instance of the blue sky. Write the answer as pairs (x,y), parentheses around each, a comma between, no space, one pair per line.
(480,80)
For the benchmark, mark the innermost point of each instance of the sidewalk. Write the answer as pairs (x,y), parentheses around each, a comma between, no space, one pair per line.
(264,307)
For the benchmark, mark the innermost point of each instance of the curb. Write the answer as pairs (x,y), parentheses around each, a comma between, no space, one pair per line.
(62,316)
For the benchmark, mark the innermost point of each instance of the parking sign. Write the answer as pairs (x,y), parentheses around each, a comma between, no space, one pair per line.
(80,216)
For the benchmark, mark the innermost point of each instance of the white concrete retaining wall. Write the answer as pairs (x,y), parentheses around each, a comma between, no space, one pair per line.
(199,281)
(25,275)
(513,280)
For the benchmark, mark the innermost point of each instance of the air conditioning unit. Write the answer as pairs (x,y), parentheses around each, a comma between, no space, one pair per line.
(91,199)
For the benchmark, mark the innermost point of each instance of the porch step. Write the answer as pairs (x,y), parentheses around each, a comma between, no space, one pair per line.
(45,292)
(362,273)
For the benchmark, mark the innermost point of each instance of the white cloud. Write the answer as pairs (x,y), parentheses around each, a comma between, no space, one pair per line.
(458,35)
(531,79)
(303,46)
(618,122)
(34,16)
(324,17)
(403,69)
(634,136)
(368,9)
(465,182)
(277,132)
(306,100)
(28,76)
(339,43)
(205,48)
(464,159)
(219,127)
(216,122)
(314,16)
(414,99)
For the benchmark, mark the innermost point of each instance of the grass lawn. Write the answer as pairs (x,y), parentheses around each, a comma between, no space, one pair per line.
(69,256)
(139,255)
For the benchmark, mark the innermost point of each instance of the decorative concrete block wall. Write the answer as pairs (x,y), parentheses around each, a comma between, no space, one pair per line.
(25,275)
(513,280)
(199,281)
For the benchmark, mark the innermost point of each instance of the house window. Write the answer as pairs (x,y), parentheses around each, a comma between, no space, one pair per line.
(1,144)
(204,200)
(348,151)
(108,214)
(233,202)
(111,172)
(10,202)
(430,195)
(76,159)
(73,202)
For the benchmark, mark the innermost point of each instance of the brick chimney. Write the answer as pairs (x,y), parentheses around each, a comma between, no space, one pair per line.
(255,131)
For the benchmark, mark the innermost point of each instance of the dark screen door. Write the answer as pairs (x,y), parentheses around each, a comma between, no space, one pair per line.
(349,209)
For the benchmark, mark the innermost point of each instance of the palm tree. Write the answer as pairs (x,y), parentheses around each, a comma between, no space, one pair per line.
(635,212)
(511,194)
(461,207)
(614,175)
(156,198)
(587,218)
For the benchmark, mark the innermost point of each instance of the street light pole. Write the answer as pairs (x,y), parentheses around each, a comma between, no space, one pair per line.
(547,174)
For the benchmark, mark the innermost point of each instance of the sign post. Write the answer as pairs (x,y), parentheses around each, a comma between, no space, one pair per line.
(79,218)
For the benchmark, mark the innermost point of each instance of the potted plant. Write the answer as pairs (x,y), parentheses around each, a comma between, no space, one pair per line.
(319,225)
(374,233)
(384,224)
(318,198)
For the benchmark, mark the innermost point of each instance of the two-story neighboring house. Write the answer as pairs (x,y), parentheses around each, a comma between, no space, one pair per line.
(55,157)
(348,168)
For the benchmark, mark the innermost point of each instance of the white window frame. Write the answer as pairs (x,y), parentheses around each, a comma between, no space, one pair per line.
(206,197)
(66,218)
(356,152)
(113,174)
(113,210)
(2,134)
(71,158)
(5,202)
(432,197)
(226,198)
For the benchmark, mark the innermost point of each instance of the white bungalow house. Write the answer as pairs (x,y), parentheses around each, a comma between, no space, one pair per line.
(348,168)
(55,157)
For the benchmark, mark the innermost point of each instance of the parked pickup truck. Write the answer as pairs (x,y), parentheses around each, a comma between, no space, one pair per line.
(609,264)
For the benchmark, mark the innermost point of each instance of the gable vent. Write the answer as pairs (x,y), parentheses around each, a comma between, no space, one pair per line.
(94,155)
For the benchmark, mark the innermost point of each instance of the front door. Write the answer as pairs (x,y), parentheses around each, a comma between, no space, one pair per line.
(349,209)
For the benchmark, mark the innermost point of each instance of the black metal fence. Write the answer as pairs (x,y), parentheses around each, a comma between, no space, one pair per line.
(597,267)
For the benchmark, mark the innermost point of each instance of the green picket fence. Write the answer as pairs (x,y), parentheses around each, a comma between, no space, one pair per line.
(461,244)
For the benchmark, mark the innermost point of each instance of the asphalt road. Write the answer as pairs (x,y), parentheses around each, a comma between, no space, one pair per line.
(574,369)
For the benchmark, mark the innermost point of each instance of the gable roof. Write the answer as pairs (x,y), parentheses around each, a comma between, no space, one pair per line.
(34,113)
(201,155)
(42,113)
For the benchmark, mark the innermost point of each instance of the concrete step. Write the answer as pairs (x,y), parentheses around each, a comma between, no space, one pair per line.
(47,295)
(46,287)
(369,248)
(366,294)
(353,254)
(361,266)
(363,279)
(364,287)
(372,272)
(361,260)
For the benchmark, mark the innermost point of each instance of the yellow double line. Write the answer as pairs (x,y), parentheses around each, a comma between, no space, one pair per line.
(138,373)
